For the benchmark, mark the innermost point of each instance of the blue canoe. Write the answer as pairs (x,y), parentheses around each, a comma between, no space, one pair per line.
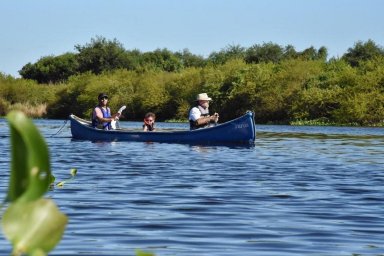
(240,131)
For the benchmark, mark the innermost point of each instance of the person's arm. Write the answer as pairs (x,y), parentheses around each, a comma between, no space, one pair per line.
(207,119)
(102,119)
(195,116)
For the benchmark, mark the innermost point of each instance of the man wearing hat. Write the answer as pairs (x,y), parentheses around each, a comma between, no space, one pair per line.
(101,116)
(199,115)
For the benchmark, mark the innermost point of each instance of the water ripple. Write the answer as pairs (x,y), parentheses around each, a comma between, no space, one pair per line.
(298,191)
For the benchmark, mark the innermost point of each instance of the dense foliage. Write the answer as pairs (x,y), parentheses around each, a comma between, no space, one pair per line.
(280,84)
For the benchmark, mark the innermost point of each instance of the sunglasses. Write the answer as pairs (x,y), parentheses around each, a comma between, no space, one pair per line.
(104,98)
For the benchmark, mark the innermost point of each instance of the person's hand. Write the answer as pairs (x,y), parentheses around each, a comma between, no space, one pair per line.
(116,116)
(214,118)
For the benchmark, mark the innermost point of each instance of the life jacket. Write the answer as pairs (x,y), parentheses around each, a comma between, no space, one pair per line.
(106,114)
(193,124)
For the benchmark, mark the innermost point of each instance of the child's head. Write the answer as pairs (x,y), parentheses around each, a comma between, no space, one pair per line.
(149,117)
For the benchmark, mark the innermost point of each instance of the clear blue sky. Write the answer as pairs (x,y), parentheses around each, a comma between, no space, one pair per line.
(33,29)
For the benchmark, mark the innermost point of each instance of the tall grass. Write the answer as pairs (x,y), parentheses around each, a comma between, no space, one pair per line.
(34,111)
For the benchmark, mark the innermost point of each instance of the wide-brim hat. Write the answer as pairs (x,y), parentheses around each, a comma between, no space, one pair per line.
(102,95)
(202,96)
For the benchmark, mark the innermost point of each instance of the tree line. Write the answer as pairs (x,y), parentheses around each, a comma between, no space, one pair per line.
(280,84)
(102,55)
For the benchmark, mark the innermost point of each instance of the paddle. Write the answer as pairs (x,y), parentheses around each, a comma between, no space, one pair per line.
(217,119)
(115,123)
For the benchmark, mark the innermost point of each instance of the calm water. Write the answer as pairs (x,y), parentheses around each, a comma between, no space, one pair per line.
(298,191)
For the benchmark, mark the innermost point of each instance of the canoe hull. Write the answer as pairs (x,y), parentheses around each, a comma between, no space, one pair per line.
(240,130)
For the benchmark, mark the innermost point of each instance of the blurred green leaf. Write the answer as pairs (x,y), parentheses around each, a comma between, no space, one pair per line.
(38,253)
(33,227)
(30,166)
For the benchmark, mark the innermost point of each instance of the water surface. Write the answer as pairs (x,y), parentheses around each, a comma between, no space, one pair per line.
(297,191)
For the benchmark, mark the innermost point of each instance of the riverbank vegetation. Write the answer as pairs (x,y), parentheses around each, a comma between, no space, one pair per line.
(281,85)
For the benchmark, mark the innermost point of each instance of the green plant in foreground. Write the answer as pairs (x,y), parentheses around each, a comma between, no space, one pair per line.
(33,224)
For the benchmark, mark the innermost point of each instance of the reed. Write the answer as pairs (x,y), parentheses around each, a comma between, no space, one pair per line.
(30,110)
(327,122)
